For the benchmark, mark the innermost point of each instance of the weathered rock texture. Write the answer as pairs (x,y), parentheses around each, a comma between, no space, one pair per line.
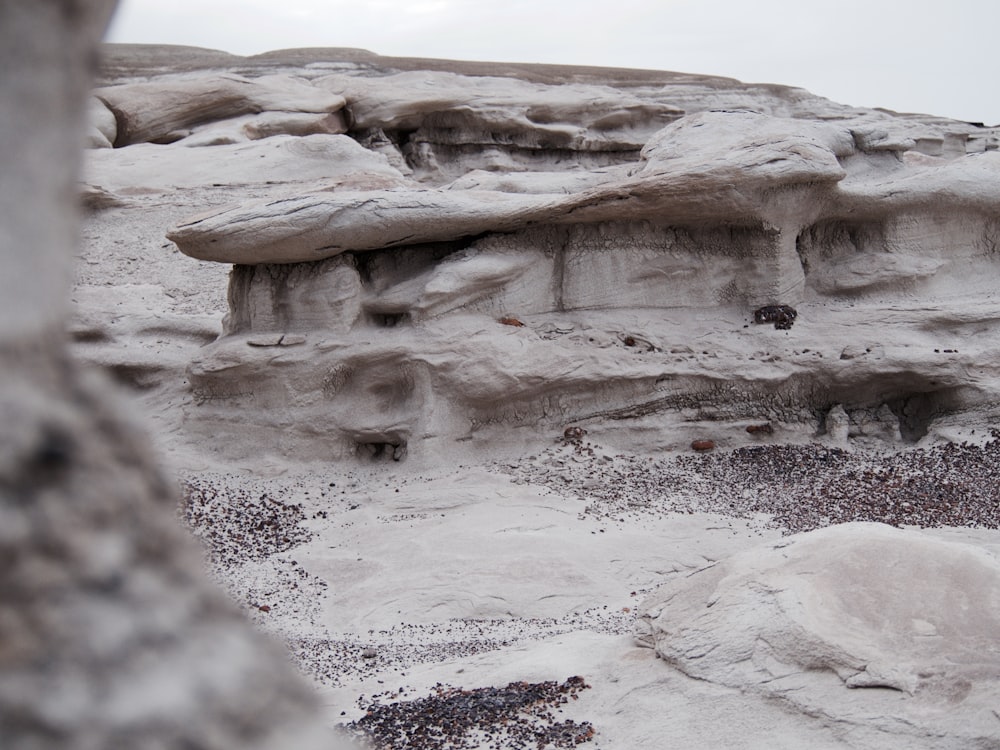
(480,261)
(162,113)
(632,221)
(814,618)
(109,634)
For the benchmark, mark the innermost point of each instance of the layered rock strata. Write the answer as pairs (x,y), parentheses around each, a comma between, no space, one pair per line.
(630,222)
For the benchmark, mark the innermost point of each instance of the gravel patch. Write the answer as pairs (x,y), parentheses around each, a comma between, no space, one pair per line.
(795,487)
(520,715)
(237,524)
(251,528)
(333,660)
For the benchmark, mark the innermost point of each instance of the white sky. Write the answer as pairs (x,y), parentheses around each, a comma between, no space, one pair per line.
(935,57)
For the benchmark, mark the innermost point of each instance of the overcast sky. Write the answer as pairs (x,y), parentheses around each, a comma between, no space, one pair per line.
(907,55)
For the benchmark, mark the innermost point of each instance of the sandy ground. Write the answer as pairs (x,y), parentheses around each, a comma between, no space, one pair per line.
(390,586)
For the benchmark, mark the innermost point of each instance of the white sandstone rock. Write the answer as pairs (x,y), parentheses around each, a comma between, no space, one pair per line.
(321,225)
(324,296)
(514,124)
(267,124)
(837,425)
(319,161)
(557,276)
(757,195)
(866,604)
(102,127)
(166,110)
(751,145)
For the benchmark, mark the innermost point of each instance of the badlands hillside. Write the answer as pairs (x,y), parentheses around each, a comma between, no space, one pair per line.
(535,406)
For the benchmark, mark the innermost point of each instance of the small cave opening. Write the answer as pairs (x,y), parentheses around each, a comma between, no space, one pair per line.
(378,451)
(89,336)
(401,137)
(901,413)
(389,319)
(915,412)
(137,377)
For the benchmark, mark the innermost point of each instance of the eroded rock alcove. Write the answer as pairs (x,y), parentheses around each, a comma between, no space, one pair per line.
(443,258)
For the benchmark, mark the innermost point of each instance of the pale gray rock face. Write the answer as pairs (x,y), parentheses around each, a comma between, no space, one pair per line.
(167,111)
(462,260)
(327,224)
(325,160)
(707,215)
(110,635)
(890,631)
(103,128)
(454,123)
(635,211)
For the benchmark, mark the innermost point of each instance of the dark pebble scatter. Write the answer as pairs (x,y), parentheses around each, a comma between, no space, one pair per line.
(805,487)
(520,715)
(236,524)
(795,487)
(334,660)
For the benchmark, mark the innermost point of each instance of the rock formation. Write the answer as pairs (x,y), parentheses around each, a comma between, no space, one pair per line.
(553,301)
(110,636)
(596,207)
(816,617)
(167,112)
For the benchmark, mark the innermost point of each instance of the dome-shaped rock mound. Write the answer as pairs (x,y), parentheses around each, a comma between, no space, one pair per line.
(858,605)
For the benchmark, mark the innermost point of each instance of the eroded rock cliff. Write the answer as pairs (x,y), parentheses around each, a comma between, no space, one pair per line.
(464,253)
(431,261)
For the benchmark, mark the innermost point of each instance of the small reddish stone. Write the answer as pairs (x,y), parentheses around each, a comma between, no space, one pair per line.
(703,445)
(511,321)
(264,608)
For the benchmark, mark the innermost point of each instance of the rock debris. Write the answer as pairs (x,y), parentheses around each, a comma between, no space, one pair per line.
(520,715)
(794,487)
(252,528)
(236,524)
(782,316)
(333,659)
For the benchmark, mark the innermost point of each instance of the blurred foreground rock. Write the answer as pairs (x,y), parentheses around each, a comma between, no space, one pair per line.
(110,636)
